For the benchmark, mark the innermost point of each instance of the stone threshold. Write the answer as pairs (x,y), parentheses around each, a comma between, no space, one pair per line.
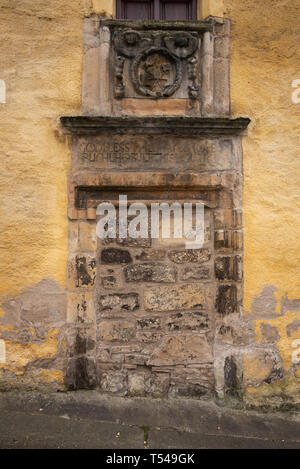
(160,125)
(188,415)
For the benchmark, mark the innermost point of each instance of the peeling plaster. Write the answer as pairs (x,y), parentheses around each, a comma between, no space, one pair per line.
(293,327)
(288,305)
(30,328)
(264,305)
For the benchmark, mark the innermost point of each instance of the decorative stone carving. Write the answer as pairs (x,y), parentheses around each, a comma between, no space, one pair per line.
(201,47)
(181,44)
(156,73)
(155,63)
(129,43)
(192,67)
(119,85)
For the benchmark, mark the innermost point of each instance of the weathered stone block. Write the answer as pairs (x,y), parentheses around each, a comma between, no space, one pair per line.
(73,236)
(136,384)
(232,381)
(149,336)
(149,323)
(195,273)
(126,349)
(134,242)
(227,218)
(145,383)
(109,276)
(168,298)
(238,268)
(115,256)
(221,86)
(90,90)
(189,255)
(224,28)
(82,272)
(135,359)
(80,374)
(118,302)
(103,353)
(150,273)
(228,240)
(194,321)
(222,47)
(207,75)
(87,236)
(228,268)
(80,341)
(114,382)
(158,107)
(182,349)
(151,255)
(157,385)
(234,330)
(226,301)
(223,269)
(80,308)
(193,381)
(109,281)
(112,331)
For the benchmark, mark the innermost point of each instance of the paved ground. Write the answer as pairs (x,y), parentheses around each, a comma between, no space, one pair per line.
(89,420)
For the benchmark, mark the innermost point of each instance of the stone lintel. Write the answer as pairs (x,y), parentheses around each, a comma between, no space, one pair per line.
(97,125)
(153,180)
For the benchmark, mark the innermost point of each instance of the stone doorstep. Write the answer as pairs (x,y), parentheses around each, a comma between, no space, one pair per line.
(187,415)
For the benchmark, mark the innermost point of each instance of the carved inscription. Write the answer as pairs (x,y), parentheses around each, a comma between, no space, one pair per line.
(120,153)
(148,153)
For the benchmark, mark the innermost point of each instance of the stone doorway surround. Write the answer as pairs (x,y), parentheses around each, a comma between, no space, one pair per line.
(146,317)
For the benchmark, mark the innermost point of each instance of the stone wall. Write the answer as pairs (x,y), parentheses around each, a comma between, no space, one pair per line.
(42,70)
(147,316)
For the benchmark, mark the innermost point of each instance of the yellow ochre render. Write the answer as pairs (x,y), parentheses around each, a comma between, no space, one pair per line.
(41,64)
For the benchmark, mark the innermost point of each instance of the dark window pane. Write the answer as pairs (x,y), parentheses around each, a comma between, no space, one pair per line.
(138,10)
(135,10)
(157,9)
(178,9)
(174,11)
